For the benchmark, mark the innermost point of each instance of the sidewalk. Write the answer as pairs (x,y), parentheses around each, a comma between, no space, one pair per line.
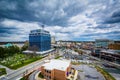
(76,74)
(73,76)
(8,70)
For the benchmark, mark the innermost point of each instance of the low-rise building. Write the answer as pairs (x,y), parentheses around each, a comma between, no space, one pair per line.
(115,46)
(56,69)
(111,55)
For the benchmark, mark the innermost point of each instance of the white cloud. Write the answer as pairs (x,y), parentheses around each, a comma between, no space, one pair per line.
(66,19)
(25,26)
(22,29)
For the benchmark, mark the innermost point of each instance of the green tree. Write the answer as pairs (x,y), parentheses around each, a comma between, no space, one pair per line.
(11,50)
(80,52)
(25,46)
(2,52)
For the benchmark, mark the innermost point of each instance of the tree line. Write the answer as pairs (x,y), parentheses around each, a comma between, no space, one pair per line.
(11,50)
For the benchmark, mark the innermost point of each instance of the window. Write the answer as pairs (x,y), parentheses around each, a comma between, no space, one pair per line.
(47,71)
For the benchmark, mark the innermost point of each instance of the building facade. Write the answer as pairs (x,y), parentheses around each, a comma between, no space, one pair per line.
(40,39)
(53,40)
(115,46)
(102,43)
(56,70)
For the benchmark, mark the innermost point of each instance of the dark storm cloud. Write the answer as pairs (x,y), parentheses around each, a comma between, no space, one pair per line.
(112,20)
(4,29)
(94,14)
(116,14)
(16,9)
(108,33)
(103,26)
(38,10)
(115,18)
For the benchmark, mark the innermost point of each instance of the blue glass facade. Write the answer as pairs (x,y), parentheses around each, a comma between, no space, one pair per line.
(41,39)
(102,43)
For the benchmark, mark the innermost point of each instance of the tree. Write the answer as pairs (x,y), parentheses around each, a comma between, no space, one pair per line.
(33,48)
(25,46)
(11,50)
(2,52)
(80,52)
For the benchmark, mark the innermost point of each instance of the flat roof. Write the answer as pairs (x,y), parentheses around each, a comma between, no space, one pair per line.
(57,64)
(38,52)
(111,51)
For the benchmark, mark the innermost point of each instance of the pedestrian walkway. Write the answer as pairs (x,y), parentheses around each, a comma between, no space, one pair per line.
(76,74)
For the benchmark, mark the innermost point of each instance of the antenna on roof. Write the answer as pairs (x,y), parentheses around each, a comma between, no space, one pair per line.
(42,26)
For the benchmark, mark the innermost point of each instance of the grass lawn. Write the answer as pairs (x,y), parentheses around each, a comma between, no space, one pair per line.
(75,63)
(19,60)
(2,71)
(105,73)
(57,57)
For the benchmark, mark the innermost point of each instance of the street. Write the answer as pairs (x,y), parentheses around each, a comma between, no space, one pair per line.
(32,76)
(20,72)
(85,72)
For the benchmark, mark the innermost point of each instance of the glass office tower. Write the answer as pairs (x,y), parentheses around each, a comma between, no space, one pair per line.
(41,39)
(103,43)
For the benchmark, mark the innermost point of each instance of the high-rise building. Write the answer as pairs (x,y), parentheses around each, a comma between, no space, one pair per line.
(40,39)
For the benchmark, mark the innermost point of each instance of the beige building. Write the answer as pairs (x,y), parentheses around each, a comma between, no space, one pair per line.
(53,40)
(56,69)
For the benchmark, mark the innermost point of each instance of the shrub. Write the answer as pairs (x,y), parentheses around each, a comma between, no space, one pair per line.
(40,75)
(105,73)
(2,71)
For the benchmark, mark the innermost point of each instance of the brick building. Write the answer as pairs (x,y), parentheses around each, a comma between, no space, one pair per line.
(115,46)
(56,69)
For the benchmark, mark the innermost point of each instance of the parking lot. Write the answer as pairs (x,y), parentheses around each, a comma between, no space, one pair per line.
(86,72)
(113,71)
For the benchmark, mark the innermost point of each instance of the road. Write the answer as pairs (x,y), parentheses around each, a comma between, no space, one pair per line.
(19,72)
(32,76)
(7,69)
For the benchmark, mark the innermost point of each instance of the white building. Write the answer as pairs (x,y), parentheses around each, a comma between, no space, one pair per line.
(53,40)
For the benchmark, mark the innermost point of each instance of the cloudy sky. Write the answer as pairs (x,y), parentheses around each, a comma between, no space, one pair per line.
(65,19)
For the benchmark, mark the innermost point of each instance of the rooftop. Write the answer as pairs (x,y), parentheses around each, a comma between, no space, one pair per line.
(111,51)
(39,30)
(8,45)
(38,52)
(57,64)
